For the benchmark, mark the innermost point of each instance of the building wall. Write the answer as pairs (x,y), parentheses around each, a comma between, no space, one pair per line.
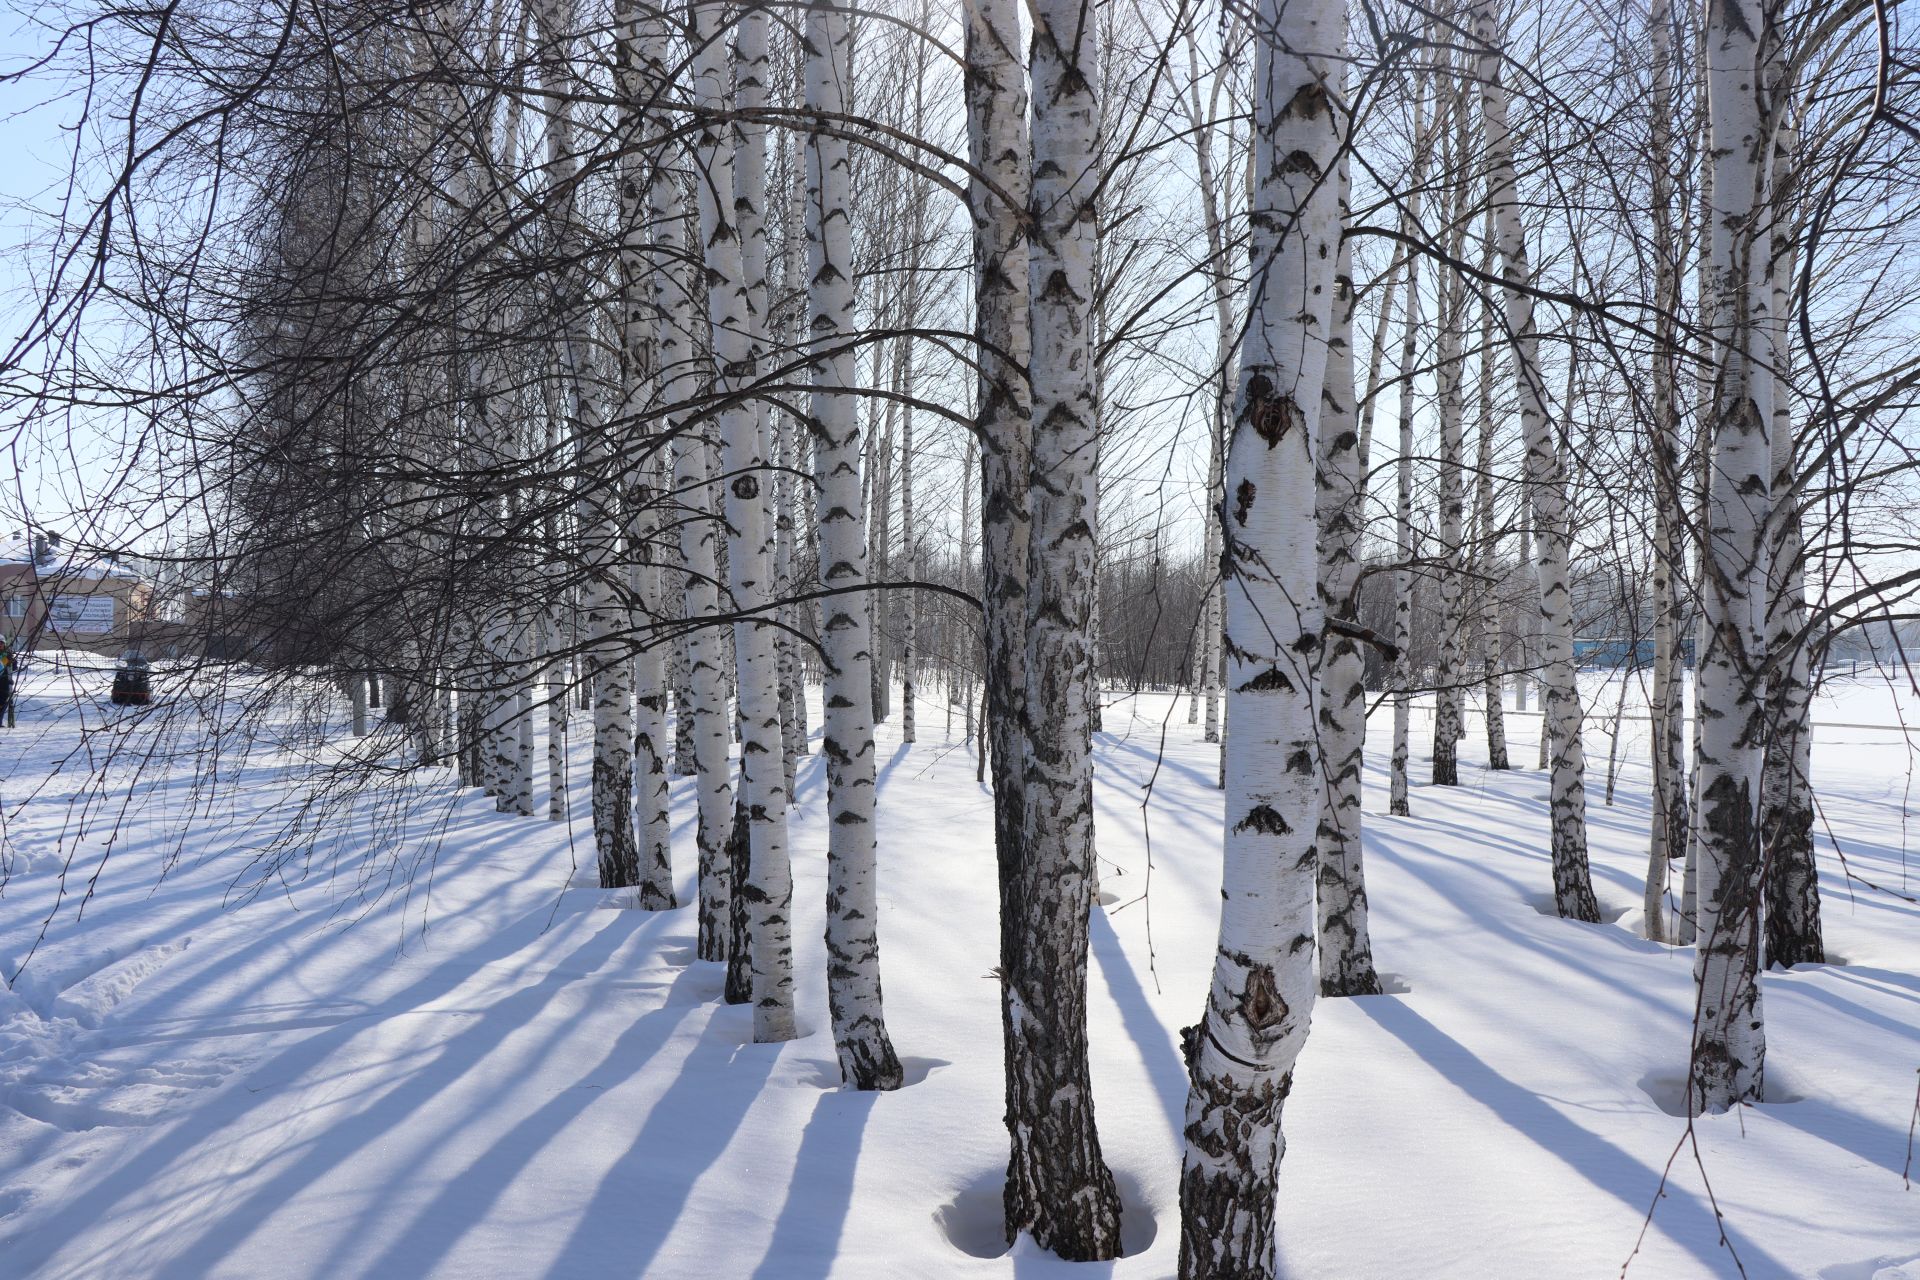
(32,606)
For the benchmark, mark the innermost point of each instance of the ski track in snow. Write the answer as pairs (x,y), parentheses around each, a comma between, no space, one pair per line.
(489,1072)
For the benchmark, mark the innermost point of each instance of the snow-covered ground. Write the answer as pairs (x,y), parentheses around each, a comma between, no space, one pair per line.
(493,1071)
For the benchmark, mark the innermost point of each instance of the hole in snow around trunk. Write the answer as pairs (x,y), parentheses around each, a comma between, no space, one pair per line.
(975,1220)
(1668,1089)
(826,1075)
(1545,904)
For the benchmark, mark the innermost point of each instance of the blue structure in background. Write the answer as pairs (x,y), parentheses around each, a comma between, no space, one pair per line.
(1612,652)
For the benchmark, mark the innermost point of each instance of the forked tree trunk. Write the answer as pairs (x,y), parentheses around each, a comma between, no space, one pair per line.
(1059,1189)
(1241,1056)
(1729,1039)
(737,342)
(1567,794)
(867,1059)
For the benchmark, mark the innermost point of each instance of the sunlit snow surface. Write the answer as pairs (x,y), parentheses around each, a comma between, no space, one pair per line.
(248,1071)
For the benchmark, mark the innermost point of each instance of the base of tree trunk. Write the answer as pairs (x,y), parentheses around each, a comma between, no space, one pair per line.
(739,956)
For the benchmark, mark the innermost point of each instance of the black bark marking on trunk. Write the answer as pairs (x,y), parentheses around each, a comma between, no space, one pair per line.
(1264,820)
(739,988)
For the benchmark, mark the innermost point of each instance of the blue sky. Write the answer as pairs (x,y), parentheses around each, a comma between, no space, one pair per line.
(53,476)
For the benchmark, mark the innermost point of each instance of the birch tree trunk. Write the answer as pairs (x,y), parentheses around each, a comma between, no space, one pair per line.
(1572,883)
(705,708)
(556,697)
(684,764)
(1207,645)
(910,568)
(1400,674)
(1059,1189)
(867,1058)
(1450,373)
(1241,1056)
(880,495)
(607,621)
(1729,1040)
(520,779)
(1786,787)
(1489,541)
(1667,837)
(1346,950)
(638,53)
(737,342)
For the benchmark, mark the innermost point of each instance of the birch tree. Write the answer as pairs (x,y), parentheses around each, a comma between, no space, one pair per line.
(1346,949)
(1241,1055)
(1059,1189)
(768,887)
(1567,794)
(867,1059)
(1667,836)
(1792,908)
(1729,1040)
(607,620)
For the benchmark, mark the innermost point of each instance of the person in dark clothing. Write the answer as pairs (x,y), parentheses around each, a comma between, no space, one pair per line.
(7,716)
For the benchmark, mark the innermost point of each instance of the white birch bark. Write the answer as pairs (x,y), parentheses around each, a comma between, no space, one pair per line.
(556,699)
(967,656)
(1729,1040)
(1400,673)
(1794,933)
(640,56)
(737,342)
(1241,1056)
(1207,655)
(705,708)
(606,617)
(1572,883)
(792,698)
(909,571)
(867,1059)
(1488,555)
(1666,840)
(1059,1189)
(520,778)
(1450,371)
(1346,948)
(997,198)
(684,763)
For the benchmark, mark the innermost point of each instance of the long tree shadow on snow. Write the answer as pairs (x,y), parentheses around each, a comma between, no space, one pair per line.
(224,1220)
(465,1200)
(806,1238)
(1608,1167)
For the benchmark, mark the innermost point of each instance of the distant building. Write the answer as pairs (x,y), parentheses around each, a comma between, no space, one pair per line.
(53,597)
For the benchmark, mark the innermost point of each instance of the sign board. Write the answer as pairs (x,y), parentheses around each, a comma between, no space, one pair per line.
(70,614)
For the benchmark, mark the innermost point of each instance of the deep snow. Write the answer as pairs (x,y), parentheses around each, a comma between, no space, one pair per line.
(493,1071)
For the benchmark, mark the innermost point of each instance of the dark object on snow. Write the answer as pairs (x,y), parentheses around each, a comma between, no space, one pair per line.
(131,686)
